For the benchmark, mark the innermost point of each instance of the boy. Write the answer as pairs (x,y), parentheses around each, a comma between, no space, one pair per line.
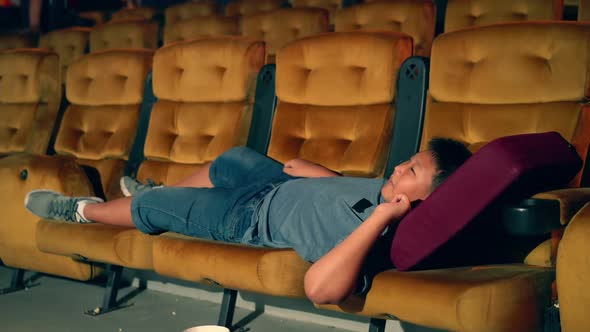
(245,197)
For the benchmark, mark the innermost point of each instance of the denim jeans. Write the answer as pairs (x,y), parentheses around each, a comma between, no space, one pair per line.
(241,178)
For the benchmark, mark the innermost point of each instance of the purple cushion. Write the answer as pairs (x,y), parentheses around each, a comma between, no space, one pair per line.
(522,164)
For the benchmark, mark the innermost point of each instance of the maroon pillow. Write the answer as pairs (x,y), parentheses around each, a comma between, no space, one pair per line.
(523,164)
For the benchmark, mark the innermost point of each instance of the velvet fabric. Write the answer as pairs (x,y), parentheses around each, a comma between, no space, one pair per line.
(17,40)
(187,10)
(21,174)
(279,27)
(106,90)
(30,95)
(225,73)
(473,66)
(263,270)
(355,145)
(195,27)
(145,13)
(98,128)
(204,107)
(332,6)
(498,298)
(415,18)
(69,44)
(323,70)
(247,7)
(465,13)
(130,33)
(511,167)
(109,78)
(573,273)
(96,243)
(97,16)
(583,10)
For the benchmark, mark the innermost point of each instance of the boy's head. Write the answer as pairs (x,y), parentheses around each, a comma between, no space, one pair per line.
(426,170)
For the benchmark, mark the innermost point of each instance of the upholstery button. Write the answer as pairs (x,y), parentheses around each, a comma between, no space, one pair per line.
(24,174)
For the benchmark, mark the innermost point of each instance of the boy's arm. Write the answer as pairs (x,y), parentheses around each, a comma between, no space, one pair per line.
(307,169)
(333,277)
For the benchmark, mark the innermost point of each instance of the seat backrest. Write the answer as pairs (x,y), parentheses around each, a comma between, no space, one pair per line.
(247,7)
(508,79)
(188,10)
(105,90)
(145,13)
(30,95)
(336,94)
(413,17)
(584,10)
(17,40)
(69,44)
(332,6)
(465,13)
(573,273)
(124,34)
(97,16)
(280,27)
(205,90)
(201,26)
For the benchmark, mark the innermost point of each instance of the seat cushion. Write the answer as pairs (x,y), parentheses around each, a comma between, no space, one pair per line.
(96,242)
(514,166)
(469,299)
(263,270)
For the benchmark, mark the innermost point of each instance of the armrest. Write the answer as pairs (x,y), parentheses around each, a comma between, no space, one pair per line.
(544,212)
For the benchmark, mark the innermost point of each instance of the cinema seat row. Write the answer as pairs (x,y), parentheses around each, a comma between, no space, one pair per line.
(214,93)
(137,28)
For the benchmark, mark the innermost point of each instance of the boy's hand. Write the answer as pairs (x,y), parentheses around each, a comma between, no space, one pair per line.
(394,210)
(306,169)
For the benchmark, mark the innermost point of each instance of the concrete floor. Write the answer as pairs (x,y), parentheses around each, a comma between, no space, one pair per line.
(57,304)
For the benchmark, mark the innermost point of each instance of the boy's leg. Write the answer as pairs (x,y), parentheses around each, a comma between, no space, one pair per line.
(116,212)
(237,167)
(210,213)
(49,204)
(241,166)
(199,179)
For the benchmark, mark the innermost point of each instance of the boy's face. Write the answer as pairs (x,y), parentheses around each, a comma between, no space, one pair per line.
(412,178)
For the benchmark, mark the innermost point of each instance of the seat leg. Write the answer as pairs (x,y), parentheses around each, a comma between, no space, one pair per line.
(228,306)
(109,301)
(17,282)
(377,325)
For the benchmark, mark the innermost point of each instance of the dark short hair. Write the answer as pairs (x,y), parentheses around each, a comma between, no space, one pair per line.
(448,155)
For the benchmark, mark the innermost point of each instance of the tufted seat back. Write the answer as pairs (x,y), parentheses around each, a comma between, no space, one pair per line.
(486,83)
(465,13)
(105,90)
(332,6)
(584,10)
(188,10)
(201,26)
(97,16)
(145,13)
(280,27)
(205,90)
(124,34)
(336,94)
(30,94)
(415,18)
(247,7)
(70,44)
(20,40)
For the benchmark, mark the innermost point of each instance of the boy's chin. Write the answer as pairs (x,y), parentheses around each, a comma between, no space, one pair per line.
(387,193)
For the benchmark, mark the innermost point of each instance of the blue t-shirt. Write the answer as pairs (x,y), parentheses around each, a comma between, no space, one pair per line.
(313,215)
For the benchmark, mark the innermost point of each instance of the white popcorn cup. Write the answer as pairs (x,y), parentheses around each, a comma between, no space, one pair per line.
(207,328)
